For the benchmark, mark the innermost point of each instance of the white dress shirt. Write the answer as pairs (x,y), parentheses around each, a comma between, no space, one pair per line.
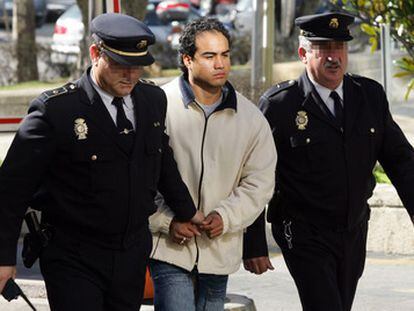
(324,93)
(107,100)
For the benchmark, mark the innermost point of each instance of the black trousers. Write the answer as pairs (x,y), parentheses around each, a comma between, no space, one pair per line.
(325,265)
(80,276)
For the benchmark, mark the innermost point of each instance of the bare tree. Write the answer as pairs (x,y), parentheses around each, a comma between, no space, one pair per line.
(136,8)
(83,59)
(24,40)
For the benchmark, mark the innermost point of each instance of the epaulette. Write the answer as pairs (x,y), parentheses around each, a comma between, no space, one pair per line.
(278,88)
(361,79)
(353,75)
(67,88)
(149,82)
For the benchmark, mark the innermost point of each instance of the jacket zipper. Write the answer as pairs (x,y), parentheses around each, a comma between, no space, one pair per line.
(202,172)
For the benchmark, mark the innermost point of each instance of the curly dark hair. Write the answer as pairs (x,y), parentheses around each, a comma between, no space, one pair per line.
(190,32)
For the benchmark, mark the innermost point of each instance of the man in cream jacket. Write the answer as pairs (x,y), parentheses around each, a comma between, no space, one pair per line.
(226,156)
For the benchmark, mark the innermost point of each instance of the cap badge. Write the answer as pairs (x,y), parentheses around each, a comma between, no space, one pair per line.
(334,23)
(80,128)
(301,120)
(142,44)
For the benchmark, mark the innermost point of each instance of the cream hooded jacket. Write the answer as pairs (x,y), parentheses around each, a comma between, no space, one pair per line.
(228,164)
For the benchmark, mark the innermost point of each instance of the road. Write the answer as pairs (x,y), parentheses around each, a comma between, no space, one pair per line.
(386,285)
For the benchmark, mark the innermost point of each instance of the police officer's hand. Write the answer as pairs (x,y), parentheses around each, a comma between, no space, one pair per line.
(181,232)
(258,265)
(6,272)
(198,218)
(213,225)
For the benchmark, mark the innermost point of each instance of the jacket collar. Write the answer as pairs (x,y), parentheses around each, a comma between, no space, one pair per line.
(96,111)
(90,95)
(352,96)
(229,94)
(354,99)
(313,102)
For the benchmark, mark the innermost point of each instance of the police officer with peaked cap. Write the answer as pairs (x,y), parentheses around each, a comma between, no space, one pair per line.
(330,129)
(91,155)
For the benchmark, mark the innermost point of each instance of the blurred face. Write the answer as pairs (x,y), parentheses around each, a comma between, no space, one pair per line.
(326,62)
(210,66)
(116,79)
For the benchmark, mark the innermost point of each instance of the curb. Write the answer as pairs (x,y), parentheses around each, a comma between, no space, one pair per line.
(33,288)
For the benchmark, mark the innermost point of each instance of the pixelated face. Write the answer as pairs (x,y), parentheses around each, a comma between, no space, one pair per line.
(326,62)
(210,65)
(112,77)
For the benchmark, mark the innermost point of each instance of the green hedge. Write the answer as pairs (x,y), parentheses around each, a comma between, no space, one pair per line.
(380,175)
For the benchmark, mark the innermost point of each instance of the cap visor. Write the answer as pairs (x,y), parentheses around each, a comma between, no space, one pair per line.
(145,60)
(346,38)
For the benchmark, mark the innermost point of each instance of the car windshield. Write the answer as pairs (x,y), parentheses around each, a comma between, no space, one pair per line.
(73,12)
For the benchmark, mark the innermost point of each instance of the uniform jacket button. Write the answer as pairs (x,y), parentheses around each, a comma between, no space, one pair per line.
(94,157)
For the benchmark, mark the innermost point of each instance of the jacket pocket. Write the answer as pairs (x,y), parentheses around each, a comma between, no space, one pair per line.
(100,166)
(92,155)
(312,150)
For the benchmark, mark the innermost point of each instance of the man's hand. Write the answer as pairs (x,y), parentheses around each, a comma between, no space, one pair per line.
(213,225)
(258,265)
(198,218)
(6,272)
(181,232)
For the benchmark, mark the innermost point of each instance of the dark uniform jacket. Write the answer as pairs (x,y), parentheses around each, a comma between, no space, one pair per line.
(324,173)
(67,160)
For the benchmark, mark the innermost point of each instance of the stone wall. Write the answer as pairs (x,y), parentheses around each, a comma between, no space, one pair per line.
(390,228)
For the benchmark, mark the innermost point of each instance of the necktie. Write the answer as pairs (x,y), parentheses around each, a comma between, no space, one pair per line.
(338,109)
(124,126)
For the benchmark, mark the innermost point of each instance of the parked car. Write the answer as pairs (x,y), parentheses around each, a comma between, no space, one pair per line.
(7,6)
(55,8)
(67,34)
(69,31)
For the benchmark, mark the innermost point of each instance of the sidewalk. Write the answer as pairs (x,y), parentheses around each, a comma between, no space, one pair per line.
(387,285)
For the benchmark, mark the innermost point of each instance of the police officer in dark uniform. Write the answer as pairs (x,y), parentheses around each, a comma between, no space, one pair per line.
(91,156)
(330,129)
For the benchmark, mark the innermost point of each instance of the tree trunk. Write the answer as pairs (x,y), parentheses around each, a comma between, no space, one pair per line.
(136,8)
(83,59)
(24,38)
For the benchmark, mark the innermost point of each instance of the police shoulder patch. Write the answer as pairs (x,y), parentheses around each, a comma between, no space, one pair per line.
(279,87)
(67,88)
